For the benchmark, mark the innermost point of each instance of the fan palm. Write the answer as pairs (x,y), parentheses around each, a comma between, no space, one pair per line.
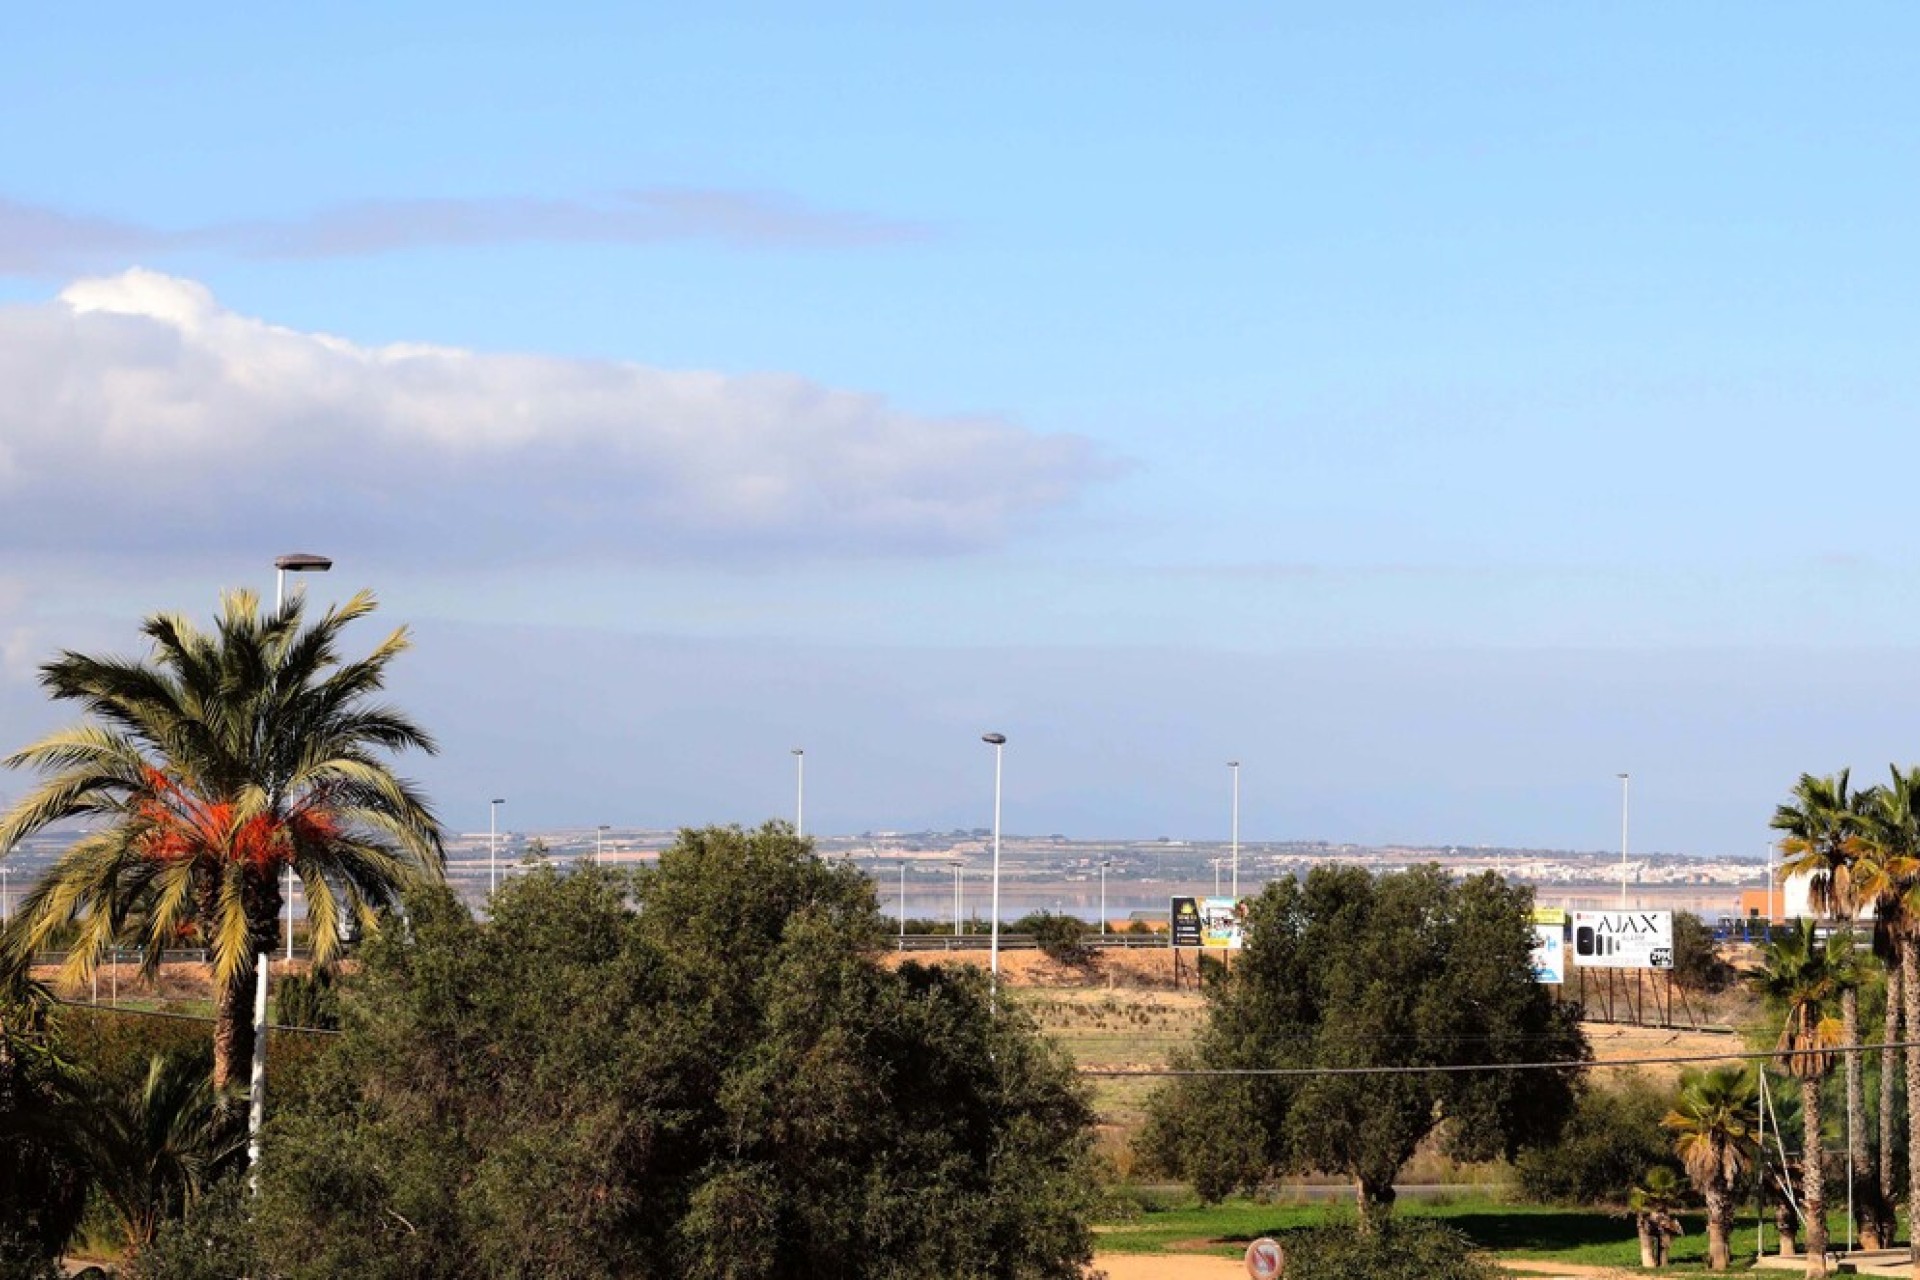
(210,767)
(1887,874)
(1655,1206)
(1823,826)
(1713,1123)
(1802,978)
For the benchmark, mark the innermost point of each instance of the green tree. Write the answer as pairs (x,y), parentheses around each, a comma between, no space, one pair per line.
(1061,938)
(206,770)
(1611,1138)
(1713,1122)
(1887,869)
(1802,978)
(699,1071)
(1697,962)
(42,1181)
(1346,971)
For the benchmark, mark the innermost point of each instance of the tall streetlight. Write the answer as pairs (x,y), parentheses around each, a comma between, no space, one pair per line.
(1234,765)
(1103,896)
(599,841)
(1216,876)
(799,791)
(293,562)
(1623,842)
(493,840)
(957,868)
(903,906)
(998,741)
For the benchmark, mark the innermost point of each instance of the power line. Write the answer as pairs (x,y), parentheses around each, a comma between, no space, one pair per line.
(185,1017)
(1457,1067)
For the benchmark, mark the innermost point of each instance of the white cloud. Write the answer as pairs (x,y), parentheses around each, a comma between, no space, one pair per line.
(139,412)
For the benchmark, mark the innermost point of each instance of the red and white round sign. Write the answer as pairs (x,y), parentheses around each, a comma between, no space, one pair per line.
(1265,1259)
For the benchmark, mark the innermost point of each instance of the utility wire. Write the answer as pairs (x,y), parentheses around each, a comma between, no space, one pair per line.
(184,1017)
(1574,1065)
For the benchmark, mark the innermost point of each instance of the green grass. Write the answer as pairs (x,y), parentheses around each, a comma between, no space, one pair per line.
(1593,1236)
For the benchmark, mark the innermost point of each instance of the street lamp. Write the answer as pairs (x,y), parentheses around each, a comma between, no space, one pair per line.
(1234,765)
(957,868)
(599,840)
(1216,876)
(1623,842)
(493,833)
(998,741)
(1103,896)
(799,791)
(903,906)
(293,562)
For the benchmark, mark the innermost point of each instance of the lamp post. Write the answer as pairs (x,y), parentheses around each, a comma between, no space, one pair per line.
(799,791)
(998,741)
(293,562)
(957,866)
(903,906)
(1623,842)
(1234,765)
(1103,895)
(493,833)
(599,841)
(1216,876)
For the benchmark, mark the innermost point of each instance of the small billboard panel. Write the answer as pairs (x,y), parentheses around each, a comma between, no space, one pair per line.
(1550,952)
(1220,923)
(1623,939)
(1183,922)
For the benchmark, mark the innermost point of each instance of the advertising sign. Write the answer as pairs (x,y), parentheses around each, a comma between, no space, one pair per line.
(1184,922)
(1623,939)
(1220,923)
(1550,952)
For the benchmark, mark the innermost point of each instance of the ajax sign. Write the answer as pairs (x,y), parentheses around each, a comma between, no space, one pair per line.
(1623,939)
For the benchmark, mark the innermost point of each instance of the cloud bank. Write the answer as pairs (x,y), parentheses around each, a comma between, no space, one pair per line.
(138,412)
(37,240)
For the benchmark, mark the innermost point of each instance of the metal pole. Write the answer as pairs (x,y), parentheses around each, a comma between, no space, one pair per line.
(257,1089)
(1623,842)
(998,741)
(1216,877)
(1103,899)
(956,899)
(800,792)
(493,874)
(903,906)
(1235,766)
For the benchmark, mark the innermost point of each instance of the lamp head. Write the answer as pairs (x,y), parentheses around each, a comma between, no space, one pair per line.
(302,562)
(994,739)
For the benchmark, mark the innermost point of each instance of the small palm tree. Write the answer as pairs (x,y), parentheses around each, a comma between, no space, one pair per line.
(152,1150)
(1887,874)
(1802,978)
(209,769)
(1655,1206)
(1713,1122)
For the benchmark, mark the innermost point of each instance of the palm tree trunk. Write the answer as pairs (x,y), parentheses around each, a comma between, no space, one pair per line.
(1813,1179)
(1866,1200)
(1889,1068)
(232,1038)
(1649,1255)
(1719,1226)
(1910,996)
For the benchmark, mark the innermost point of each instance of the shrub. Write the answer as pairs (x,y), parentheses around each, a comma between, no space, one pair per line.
(1697,964)
(1397,1249)
(1611,1140)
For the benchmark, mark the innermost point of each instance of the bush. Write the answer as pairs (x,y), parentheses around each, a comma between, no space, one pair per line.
(1397,1249)
(307,1000)
(1611,1140)
(1697,964)
(1062,938)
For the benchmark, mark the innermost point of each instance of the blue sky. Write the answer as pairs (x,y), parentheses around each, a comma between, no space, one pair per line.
(1440,410)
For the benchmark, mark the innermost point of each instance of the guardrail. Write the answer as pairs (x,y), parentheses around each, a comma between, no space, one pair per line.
(134,955)
(1019,941)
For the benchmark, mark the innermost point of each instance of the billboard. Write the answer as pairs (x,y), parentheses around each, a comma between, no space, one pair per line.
(1183,922)
(1549,952)
(1220,923)
(1623,939)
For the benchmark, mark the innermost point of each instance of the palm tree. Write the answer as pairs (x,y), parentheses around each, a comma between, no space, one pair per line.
(208,769)
(1887,873)
(1713,1123)
(1802,978)
(1824,829)
(1655,1206)
(153,1149)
